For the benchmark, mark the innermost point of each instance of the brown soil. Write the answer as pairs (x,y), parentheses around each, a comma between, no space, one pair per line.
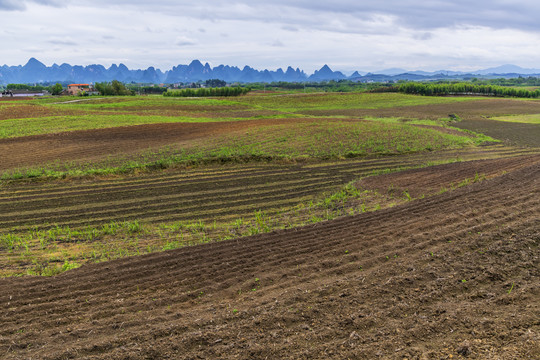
(509,132)
(95,144)
(450,276)
(425,181)
(22,111)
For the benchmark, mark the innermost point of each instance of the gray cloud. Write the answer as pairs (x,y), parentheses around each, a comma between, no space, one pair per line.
(19,5)
(185,41)
(290,28)
(417,14)
(66,42)
(520,14)
(423,36)
(10,5)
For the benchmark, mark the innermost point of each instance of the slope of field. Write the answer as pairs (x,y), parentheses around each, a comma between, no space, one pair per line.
(87,145)
(450,276)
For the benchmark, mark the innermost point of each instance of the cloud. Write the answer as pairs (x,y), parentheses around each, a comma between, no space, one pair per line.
(185,41)
(423,36)
(10,5)
(417,14)
(62,41)
(289,28)
(20,5)
(498,14)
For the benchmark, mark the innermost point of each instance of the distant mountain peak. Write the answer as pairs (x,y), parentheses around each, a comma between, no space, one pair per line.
(35,63)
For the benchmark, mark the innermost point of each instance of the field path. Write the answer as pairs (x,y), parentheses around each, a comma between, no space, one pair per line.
(451,275)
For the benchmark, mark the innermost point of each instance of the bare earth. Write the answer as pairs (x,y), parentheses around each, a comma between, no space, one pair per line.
(454,275)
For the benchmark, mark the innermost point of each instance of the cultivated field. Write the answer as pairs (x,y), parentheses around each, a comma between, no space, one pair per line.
(271,225)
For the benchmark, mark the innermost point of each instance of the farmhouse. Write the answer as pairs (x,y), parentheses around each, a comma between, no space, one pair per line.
(76,89)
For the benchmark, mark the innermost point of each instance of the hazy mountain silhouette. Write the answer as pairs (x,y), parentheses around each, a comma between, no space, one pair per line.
(35,71)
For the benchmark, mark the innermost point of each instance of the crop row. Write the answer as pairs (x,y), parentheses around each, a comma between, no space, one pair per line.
(113,294)
(198,194)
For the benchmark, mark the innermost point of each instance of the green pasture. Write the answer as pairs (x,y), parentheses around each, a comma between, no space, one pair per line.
(108,103)
(525,119)
(356,100)
(57,124)
(330,139)
(317,140)
(99,112)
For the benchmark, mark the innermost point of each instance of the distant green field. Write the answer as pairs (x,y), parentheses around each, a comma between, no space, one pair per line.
(97,113)
(100,103)
(326,101)
(330,139)
(58,124)
(317,140)
(526,119)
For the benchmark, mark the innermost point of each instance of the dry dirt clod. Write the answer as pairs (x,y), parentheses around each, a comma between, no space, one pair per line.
(464,349)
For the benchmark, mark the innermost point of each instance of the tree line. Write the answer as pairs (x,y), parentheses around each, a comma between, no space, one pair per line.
(519,81)
(462,89)
(53,89)
(115,87)
(203,92)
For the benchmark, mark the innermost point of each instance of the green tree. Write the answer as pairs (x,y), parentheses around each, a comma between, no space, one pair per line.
(113,88)
(57,89)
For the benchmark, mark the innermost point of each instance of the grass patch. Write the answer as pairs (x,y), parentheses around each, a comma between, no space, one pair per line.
(55,115)
(356,100)
(525,119)
(58,124)
(318,140)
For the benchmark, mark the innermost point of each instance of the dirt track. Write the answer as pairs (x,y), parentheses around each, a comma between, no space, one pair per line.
(450,276)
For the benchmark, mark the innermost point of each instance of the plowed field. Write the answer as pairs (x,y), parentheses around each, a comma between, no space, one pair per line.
(207,195)
(513,133)
(454,275)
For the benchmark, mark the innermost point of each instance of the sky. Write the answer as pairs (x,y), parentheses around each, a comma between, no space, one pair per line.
(347,35)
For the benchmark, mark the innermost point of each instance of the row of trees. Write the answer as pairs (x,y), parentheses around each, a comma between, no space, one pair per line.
(519,81)
(464,89)
(215,83)
(147,89)
(55,89)
(203,92)
(113,88)
(26,87)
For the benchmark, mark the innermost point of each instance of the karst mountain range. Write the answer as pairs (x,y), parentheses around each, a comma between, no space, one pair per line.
(35,71)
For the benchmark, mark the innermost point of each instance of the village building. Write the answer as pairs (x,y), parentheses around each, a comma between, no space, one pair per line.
(76,89)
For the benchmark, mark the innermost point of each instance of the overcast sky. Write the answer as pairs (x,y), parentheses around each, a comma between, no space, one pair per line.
(347,35)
